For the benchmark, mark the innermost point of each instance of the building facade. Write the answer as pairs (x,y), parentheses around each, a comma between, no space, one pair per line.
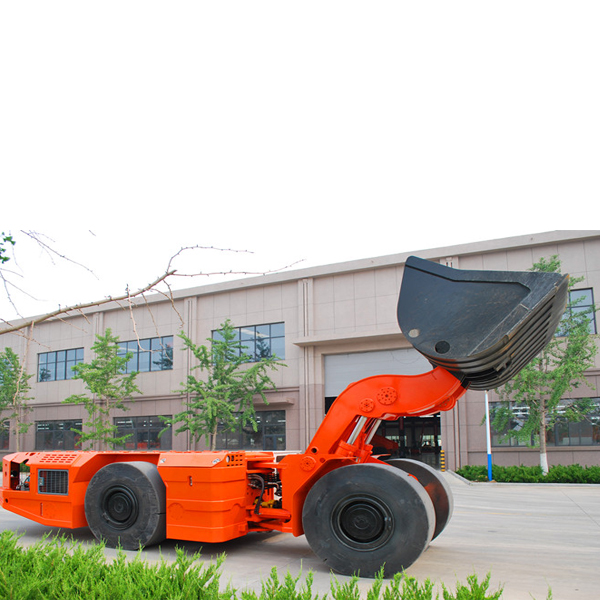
(330,325)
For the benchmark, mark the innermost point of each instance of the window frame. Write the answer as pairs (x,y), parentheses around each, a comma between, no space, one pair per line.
(62,360)
(5,435)
(139,432)
(144,350)
(267,432)
(574,306)
(68,427)
(249,336)
(555,437)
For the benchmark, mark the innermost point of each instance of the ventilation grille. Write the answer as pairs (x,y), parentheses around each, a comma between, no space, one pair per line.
(235,459)
(57,458)
(53,481)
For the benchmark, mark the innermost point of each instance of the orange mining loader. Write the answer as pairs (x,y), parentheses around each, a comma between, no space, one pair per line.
(358,512)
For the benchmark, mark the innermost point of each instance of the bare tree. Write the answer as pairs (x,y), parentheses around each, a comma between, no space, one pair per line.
(128,296)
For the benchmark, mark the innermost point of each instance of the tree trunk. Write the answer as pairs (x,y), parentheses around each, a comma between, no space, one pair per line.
(213,437)
(105,423)
(543,450)
(17,431)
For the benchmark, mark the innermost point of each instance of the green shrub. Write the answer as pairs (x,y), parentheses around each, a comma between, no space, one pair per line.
(523,474)
(59,569)
(519,474)
(474,472)
(273,589)
(474,591)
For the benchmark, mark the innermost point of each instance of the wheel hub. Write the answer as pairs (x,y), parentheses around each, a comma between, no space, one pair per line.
(120,507)
(362,523)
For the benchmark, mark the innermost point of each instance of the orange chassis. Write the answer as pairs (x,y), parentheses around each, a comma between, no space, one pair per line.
(215,496)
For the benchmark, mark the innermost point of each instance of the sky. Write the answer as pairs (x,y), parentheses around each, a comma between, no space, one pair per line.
(284,135)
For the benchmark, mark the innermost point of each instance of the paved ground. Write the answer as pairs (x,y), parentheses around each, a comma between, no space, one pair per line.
(530,537)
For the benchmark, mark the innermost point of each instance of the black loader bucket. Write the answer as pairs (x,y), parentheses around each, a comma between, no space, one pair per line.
(482,326)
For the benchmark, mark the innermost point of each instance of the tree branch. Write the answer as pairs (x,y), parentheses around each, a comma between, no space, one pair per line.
(51,252)
(128,296)
(79,307)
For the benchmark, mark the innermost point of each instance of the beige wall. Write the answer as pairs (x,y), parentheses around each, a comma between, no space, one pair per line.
(342,308)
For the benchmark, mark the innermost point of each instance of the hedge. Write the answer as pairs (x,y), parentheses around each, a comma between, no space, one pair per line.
(523,474)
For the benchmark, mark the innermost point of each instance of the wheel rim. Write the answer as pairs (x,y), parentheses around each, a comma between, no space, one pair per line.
(362,522)
(120,507)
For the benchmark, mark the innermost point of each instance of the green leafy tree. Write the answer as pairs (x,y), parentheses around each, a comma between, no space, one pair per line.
(536,397)
(5,242)
(109,386)
(225,395)
(14,390)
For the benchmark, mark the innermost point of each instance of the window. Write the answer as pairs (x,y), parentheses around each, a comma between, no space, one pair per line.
(144,433)
(4,435)
(261,341)
(58,435)
(581,302)
(55,366)
(564,433)
(151,354)
(269,434)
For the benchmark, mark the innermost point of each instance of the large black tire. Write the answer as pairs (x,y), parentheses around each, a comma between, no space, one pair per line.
(435,485)
(360,518)
(125,505)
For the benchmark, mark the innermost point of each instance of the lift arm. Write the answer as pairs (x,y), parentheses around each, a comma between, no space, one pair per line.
(477,328)
(354,417)
(345,434)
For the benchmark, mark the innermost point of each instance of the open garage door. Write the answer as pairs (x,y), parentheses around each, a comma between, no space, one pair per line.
(343,369)
(413,437)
